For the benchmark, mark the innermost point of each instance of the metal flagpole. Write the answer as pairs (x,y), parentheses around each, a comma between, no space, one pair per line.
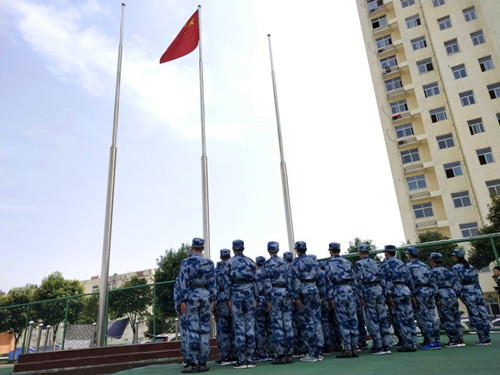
(284,175)
(103,290)
(204,165)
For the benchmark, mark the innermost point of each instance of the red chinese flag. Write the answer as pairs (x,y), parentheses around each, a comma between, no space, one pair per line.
(185,42)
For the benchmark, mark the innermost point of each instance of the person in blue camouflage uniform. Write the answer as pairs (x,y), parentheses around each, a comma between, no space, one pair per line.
(241,282)
(325,309)
(198,292)
(180,317)
(306,295)
(447,301)
(472,296)
(424,291)
(363,334)
(342,296)
(370,284)
(262,317)
(298,346)
(223,317)
(277,289)
(398,285)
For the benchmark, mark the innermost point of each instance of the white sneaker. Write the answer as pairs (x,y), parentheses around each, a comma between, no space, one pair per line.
(308,358)
(320,358)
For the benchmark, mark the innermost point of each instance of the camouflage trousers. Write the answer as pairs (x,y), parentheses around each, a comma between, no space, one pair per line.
(197,327)
(376,321)
(243,310)
(310,324)
(478,316)
(404,324)
(225,339)
(325,325)
(426,316)
(449,316)
(281,323)
(345,310)
(262,326)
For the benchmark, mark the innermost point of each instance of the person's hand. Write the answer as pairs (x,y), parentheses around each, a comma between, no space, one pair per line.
(269,306)
(298,303)
(184,308)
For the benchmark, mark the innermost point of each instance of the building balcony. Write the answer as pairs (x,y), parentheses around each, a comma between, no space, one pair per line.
(407,141)
(378,10)
(386,49)
(398,117)
(390,70)
(381,29)
(421,195)
(413,167)
(396,92)
(426,224)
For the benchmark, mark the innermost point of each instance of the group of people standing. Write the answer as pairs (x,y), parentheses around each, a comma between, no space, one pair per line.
(282,308)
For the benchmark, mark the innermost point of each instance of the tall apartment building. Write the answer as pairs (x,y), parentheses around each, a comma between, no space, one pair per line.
(435,67)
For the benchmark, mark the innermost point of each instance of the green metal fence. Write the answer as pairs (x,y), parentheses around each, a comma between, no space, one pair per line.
(83,308)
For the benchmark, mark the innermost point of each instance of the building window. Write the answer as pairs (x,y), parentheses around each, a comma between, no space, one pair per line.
(438,114)
(453,169)
(498,118)
(416,182)
(388,62)
(467,98)
(444,23)
(451,46)
(469,229)
(485,156)
(461,199)
(379,22)
(437,3)
(493,186)
(405,130)
(425,66)
(459,71)
(494,90)
(383,42)
(374,4)
(393,84)
(423,210)
(410,156)
(95,288)
(477,37)
(485,63)
(470,14)
(418,43)
(445,141)
(407,3)
(431,89)
(399,106)
(413,21)
(475,126)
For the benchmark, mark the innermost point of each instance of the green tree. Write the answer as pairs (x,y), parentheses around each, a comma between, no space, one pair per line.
(89,311)
(445,250)
(352,250)
(13,319)
(52,313)
(168,269)
(131,302)
(481,254)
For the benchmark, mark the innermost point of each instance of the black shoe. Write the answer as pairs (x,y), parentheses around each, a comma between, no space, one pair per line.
(288,359)
(239,364)
(189,368)
(345,354)
(250,364)
(279,360)
(398,345)
(203,368)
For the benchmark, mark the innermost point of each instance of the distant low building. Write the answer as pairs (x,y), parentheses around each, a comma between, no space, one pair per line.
(116,280)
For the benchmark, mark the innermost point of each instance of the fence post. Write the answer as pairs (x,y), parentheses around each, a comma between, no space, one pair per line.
(38,337)
(25,328)
(154,312)
(30,332)
(47,333)
(66,312)
(495,252)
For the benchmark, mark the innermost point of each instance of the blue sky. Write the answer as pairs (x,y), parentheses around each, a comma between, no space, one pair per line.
(57,86)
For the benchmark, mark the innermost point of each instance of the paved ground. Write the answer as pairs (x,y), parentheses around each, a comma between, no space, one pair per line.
(469,360)
(484,360)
